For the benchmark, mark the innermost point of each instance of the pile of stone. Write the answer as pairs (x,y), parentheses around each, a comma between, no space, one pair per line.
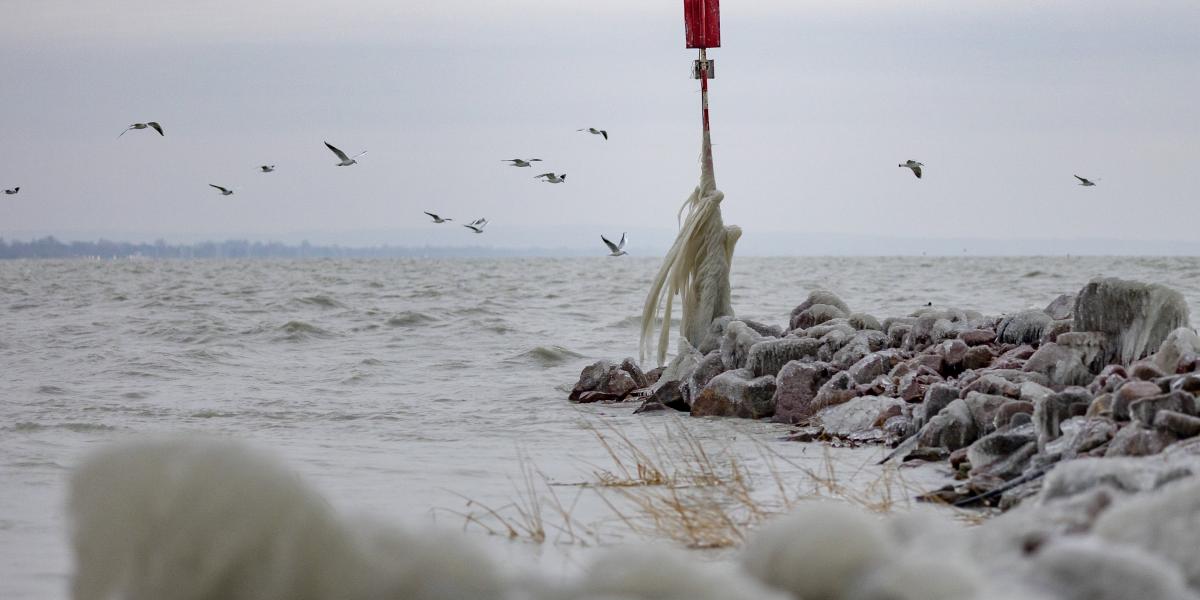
(1109,371)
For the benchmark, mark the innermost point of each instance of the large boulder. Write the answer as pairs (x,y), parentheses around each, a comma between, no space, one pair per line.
(736,393)
(796,388)
(768,356)
(1136,317)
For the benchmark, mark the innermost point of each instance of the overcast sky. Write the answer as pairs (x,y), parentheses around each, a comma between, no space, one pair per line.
(814,105)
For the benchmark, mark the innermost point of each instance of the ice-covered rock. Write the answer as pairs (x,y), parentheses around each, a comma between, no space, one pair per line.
(768,356)
(1060,364)
(1136,317)
(1025,327)
(857,415)
(817,297)
(1178,351)
(1061,307)
(736,393)
(736,344)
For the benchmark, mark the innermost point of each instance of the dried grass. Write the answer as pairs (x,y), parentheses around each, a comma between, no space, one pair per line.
(676,486)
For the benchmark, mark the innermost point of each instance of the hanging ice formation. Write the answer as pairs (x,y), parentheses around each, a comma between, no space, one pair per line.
(696,268)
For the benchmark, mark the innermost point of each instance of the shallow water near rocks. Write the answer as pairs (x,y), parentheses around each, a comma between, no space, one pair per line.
(399,387)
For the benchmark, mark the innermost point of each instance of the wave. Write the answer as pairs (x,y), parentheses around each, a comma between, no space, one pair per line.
(319,300)
(29,426)
(547,356)
(409,318)
(302,330)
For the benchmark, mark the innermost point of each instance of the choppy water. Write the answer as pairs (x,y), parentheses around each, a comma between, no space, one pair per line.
(394,385)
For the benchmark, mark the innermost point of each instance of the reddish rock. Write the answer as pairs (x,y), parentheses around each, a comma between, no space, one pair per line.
(594,396)
(1185,426)
(978,357)
(1145,370)
(1142,411)
(796,390)
(977,337)
(1134,440)
(1006,411)
(1129,393)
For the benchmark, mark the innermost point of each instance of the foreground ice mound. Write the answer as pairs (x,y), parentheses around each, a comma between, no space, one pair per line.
(210,519)
(818,551)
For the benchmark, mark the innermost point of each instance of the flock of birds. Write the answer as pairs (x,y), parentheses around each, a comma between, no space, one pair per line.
(916,169)
(345,160)
(476,226)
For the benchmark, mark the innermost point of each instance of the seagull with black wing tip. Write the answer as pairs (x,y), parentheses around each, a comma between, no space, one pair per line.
(594,131)
(345,160)
(267,168)
(477,225)
(12,191)
(437,219)
(615,249)
(1085,182)
(224,191)
(522,162)
(147,125)
(551,177)
(914,165)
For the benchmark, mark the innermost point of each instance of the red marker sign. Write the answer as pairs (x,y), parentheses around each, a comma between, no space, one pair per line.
(702,21)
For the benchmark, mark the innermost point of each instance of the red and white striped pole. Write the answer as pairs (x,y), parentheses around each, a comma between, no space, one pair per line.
(702,21)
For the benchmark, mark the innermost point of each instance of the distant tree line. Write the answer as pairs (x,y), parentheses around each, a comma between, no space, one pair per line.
(50,247)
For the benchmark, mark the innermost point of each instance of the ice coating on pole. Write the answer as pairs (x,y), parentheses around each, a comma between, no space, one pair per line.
(696,268)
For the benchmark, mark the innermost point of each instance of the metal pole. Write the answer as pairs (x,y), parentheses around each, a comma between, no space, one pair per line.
(708,159)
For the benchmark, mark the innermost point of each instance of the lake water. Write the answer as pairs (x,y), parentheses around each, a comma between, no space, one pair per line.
(399,387)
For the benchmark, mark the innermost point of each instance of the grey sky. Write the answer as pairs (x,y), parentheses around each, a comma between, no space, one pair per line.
(814,105)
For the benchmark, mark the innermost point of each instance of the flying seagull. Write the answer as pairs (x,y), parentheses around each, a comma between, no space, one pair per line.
(594,131)
(914,165)
(267,168)
(552,178)
(13,191)
(477,225)
(224,192)
(519,162)
(437,219)
(1085,182)
(346,160)
(616,249)
(150,124)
